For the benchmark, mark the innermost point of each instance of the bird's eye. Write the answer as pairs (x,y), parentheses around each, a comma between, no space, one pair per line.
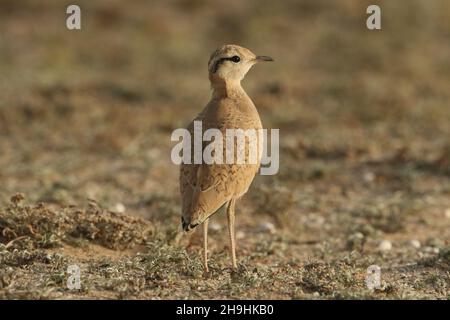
(235,59)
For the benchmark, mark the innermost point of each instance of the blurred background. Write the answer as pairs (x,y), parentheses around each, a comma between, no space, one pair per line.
(364,116)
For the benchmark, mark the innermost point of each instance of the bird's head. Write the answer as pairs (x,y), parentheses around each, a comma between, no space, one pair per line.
(230,63)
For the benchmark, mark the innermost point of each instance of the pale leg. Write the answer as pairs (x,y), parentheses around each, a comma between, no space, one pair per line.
(205,244)
(230,215)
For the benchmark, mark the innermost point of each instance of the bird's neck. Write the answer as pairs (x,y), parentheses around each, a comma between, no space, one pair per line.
(226,89)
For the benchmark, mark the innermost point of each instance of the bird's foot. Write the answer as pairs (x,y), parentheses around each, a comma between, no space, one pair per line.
(206,274)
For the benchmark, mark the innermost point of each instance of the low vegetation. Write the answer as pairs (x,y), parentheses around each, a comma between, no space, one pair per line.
(85,171)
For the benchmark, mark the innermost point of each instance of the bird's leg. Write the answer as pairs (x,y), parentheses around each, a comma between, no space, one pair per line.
(205,244)
(230,215)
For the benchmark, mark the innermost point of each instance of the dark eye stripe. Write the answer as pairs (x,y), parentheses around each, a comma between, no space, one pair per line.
(216,65)
(235,59)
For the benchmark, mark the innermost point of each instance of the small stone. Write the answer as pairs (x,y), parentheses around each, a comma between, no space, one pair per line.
(267,227)
(369,176)
(357,236)
(215,227)
(240,235)
(119,208)
(414,243)
(385,245)
(447,213)
(431,250)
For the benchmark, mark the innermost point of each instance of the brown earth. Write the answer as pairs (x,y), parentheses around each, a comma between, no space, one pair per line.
(85,124)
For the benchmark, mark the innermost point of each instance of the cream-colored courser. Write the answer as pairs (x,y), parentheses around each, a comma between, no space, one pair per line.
(205,188)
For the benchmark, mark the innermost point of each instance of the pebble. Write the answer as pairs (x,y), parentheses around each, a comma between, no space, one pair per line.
(385,245)
(215,227)
(240,235)
(447,213)
(369,177)
(431,250)
(357,236)
(119,208)
(414,243)
(267,227)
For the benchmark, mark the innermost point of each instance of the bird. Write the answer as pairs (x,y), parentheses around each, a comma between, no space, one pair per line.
(206,188)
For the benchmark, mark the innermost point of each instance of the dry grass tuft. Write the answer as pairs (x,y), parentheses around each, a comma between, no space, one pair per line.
(41,227)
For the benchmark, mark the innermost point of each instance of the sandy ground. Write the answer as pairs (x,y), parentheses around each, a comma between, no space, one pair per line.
(85,124)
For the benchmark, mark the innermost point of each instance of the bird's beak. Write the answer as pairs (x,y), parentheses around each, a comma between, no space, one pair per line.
(263,58)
